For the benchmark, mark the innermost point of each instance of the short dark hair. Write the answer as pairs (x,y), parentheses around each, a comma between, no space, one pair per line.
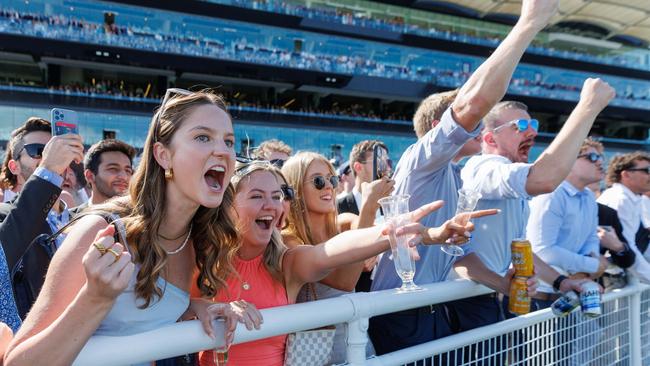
(93,156)
(359,150)
(33,124)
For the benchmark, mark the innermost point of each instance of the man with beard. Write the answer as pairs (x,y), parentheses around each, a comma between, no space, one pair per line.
(108,170)
(40,161)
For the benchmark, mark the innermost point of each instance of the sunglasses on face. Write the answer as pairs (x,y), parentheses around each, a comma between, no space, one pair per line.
(522,125)
(592,157)
(288,192)
(645,170)
(35,151)
(320,181)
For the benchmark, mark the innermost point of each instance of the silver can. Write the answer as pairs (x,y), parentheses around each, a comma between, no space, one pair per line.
(565,304)
(590,299)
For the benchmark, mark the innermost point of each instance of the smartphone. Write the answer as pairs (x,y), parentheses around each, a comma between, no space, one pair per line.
(64,121)
(380,165)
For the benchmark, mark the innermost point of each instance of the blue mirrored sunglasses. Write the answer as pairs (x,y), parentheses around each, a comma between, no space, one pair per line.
(522,124)
(592,157)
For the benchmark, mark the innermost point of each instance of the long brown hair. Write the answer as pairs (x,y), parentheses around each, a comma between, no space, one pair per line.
(273,253)
(214,237)
(295,171)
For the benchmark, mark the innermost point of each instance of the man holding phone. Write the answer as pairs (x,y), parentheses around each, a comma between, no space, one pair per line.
(40,160)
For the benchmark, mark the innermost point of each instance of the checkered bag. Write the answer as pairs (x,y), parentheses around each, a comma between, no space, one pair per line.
(309,347)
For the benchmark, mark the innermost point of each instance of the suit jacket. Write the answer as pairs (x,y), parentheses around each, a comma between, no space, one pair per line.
(348,204)
(22,221)
(607,216)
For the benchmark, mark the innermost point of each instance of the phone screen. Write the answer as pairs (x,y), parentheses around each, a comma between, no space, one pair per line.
(380,163)
(64,121)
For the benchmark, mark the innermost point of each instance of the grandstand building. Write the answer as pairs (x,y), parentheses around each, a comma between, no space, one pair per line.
(314,73)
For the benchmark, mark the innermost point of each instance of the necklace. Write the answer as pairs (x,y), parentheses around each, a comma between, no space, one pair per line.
(187,238)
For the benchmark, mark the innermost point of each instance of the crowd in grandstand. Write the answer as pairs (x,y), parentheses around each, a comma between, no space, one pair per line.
(263,50)
(398,24)
(94,245)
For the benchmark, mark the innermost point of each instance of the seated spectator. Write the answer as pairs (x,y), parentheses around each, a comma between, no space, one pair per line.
(346,180)
(41,161)
(275,151)
(10,183)
(108,170)
(270,275)
(169,227)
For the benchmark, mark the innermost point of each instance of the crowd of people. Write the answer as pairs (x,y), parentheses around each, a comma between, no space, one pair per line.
(254,48)
(92,245)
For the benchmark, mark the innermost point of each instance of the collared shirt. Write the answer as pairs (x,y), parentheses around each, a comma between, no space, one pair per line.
(54,219)
(562,229)
(645,211)
(8,309)
(628,208)
(425,173)
(502,185)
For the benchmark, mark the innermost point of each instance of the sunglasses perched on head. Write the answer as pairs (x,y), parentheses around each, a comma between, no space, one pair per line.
(35,151)
(592,157)
(277,162)
(644,170)
(320,181)
(522,125)
(171,93)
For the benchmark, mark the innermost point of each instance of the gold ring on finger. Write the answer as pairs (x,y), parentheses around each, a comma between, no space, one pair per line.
(114,253)
(101,248)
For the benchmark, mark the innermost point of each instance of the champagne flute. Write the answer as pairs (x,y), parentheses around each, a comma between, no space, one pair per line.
(467,200)
(396,213)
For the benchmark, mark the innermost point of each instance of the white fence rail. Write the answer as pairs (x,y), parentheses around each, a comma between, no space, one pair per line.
(621,336)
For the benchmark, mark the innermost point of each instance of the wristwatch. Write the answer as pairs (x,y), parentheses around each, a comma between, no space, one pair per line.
(558,281)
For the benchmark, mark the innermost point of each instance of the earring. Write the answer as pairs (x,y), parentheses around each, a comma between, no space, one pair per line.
(169,173)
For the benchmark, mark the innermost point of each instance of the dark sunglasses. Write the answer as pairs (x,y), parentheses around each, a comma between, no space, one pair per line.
(288,192)
(320,181)
(592,157)
(644,170)
(522,125)
(35,151)
(277,162)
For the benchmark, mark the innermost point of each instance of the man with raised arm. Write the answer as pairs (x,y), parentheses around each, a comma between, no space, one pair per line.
(506,181)
(426,173)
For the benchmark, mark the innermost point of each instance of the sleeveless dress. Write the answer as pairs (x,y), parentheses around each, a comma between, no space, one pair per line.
(125,318)
(264,292)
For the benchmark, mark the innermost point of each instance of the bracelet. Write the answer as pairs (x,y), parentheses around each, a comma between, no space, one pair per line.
(558,281)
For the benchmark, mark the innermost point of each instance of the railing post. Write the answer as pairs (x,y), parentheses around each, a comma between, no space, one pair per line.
(635,323)
(357,341)
(358,328)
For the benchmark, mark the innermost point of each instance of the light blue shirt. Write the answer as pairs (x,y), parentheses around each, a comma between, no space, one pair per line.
(425,172)
(562,229)
(502,185)
(54,219)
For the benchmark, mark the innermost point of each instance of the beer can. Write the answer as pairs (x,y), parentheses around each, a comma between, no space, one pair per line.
(522,257)
(565,304)
(519,302)
(590,300)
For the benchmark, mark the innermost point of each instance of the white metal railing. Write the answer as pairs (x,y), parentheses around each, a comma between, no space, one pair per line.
(621,336)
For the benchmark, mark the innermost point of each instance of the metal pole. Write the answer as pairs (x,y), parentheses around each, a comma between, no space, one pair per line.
(635,323)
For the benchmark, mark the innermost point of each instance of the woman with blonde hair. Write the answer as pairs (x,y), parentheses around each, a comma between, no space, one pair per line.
(268,274)
(169,226)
